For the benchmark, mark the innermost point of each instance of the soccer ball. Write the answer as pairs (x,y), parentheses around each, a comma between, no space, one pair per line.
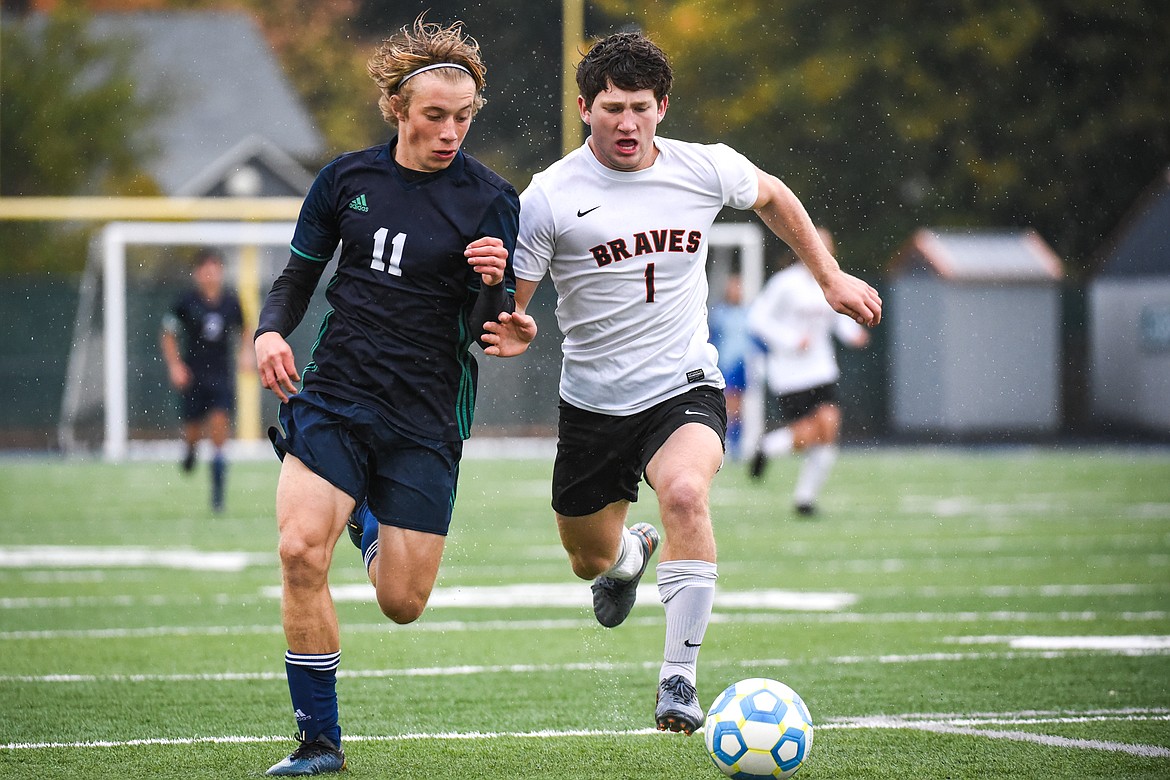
(758,728)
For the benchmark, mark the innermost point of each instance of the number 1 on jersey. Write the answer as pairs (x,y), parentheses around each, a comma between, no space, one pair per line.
(395,267)
(649,282)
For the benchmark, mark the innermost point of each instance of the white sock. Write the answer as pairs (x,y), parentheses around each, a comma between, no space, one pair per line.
(687,590)
(818,462)
(778,442)
(629,559)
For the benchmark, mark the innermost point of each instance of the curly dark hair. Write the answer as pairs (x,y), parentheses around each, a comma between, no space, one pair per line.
(629,61)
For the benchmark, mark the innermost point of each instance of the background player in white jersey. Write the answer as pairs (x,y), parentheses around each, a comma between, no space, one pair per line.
(792,321)
(621,225)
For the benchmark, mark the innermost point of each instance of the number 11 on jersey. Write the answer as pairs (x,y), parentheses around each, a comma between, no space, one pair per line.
(395,266)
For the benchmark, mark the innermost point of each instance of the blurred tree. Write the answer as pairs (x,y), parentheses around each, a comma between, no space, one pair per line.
(884,117)
(71,122)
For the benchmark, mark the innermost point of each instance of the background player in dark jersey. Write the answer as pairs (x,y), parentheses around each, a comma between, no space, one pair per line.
(426,236)
(203,343)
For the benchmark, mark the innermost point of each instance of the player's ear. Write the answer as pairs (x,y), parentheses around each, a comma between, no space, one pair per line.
(583,109)
(398,106)
(662,107)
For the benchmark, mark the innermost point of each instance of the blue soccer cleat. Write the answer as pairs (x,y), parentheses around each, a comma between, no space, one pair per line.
(318,757)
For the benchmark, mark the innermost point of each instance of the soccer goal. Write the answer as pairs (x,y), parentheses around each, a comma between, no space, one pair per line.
(116,396)
(116,399)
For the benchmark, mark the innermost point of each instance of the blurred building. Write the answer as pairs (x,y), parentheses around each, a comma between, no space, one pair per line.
(233,123)
(975,333)
(1129,318)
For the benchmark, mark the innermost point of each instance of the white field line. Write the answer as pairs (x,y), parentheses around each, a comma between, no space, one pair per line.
(42,556)
(1098,642)
(964,725)
(1141,547)
(574,624)
(614,666)
(741,600)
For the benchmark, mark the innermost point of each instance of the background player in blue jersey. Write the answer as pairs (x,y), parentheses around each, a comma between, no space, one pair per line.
(203,343)
(426,235)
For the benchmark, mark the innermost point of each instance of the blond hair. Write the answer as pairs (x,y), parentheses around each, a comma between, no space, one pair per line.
(415,47)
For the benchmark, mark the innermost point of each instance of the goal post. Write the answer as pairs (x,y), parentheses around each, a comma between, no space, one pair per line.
(746,239)
(114,239)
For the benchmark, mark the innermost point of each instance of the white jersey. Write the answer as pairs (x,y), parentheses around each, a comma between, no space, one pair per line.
(797,325)
(627,252)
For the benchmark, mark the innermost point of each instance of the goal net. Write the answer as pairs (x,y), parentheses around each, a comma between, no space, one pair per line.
(117,400)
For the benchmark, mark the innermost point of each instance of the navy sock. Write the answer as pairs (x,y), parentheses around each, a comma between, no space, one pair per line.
(312,684)
(218,473)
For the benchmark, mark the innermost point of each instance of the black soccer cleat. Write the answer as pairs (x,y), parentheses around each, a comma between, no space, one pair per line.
(354,526)
(677,706)
(613,599)
(758,463)
(318,757)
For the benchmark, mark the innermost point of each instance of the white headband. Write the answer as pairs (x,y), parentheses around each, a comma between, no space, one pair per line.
(425,68)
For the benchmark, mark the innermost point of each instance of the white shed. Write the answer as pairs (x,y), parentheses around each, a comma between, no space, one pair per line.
(975,324)
(1129,318)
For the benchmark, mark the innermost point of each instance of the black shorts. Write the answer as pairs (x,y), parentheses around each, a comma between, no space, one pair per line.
(409,481)
(793,406)
(601,458)
(205,396)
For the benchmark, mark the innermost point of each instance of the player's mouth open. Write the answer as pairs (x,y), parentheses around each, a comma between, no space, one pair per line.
(627,145)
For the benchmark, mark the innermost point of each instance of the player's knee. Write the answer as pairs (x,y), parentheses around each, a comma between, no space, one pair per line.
(400,607)
(303,564)
(682,496)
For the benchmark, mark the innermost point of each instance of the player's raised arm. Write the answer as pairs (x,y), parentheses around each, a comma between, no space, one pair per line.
(785,216)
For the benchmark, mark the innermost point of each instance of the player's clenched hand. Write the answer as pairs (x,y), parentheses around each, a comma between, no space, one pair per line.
(488,258)
(853,298)
(510,336)
(274,361)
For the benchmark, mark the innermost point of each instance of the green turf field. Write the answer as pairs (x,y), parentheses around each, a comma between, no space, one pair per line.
(950,614)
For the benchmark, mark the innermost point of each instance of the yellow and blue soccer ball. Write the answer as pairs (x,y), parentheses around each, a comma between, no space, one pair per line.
(758,728)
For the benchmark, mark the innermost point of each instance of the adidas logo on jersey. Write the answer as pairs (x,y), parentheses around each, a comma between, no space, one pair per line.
(359,203)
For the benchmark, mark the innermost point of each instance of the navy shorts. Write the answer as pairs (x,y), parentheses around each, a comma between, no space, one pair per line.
(202,397)
(409,481)
(793,406)
(601,458)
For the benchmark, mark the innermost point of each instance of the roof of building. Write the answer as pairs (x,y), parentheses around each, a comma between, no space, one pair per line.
(1141,244)
(978,255)
(223,85)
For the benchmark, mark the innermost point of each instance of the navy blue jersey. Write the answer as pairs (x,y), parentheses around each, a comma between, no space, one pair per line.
(208,334)
(398,335)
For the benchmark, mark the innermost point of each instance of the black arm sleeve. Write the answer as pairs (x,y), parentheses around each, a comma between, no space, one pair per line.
(501,220)
(489,304)
(289,297)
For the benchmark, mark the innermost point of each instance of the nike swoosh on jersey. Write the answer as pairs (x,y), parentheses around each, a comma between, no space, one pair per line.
(700,414)
(581,213)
